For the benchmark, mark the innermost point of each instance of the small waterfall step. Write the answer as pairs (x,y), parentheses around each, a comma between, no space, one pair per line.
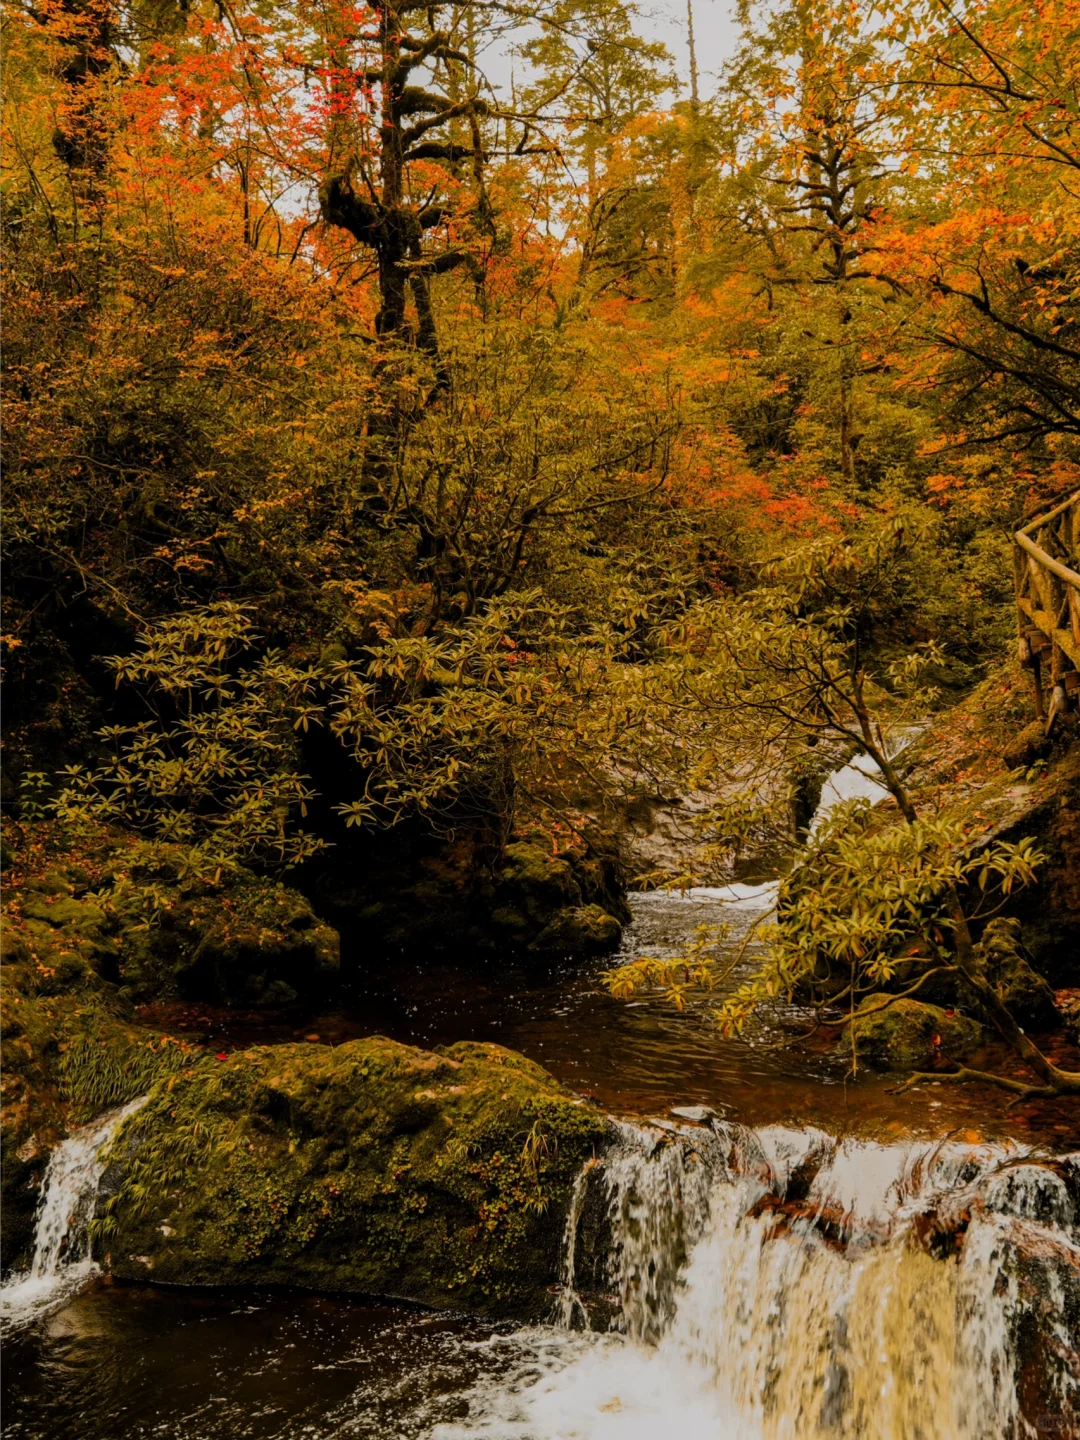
(779,1282)
(61,1263)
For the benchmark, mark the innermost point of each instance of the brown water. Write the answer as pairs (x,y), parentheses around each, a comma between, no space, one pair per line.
(643,1057)
(122,1361)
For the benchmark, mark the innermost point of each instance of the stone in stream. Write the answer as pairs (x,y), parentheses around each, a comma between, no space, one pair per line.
(910,1035)
(699,1114)
(368,1168)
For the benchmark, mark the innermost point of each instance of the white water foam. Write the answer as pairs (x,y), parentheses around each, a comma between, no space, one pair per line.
(776,1284)
(860,778)
(61,1263)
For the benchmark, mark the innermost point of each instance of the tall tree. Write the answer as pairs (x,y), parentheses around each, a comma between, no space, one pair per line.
(803,123)
(596,74)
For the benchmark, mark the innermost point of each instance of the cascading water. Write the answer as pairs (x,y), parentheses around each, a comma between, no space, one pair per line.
(61,1263)
(860,778)
(776,1283)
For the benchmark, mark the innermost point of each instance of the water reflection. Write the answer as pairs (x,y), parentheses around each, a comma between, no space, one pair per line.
(189,1365)
(644,1057)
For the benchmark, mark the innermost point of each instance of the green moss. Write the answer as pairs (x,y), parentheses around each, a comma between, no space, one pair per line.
(536,882)
(580,930)
(373,1167)
(1025,992)
(70,1052)
(910,1035)
(244,942)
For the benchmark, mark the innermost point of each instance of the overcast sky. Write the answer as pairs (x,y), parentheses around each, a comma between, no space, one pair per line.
(714,35)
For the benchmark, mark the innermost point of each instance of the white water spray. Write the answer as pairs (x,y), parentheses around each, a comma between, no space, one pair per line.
(61,1264)
(775,1284)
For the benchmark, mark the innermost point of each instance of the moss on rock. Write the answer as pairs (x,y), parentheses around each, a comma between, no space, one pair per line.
(132,915)
(910,1035)
(244,942)
(1021,988)
(72,962)
(371,1168)
(71,1050)
(579,930)
(547,904)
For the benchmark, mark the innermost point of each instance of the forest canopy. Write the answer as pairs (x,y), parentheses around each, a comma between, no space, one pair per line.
(388,445)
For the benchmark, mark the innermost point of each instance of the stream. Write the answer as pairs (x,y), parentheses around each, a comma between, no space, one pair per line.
(748,1275)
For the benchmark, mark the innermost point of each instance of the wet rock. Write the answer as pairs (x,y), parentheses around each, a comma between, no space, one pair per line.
(911,1035)
(1020,987)
(579,930)
(370,1168)
(699,1114)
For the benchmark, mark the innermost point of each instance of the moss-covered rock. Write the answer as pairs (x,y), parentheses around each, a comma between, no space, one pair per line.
(244,942)
(130,915)
(957,769)
(70,1050)
(910,1035)
(468,893)
(579,930)
(74,958)
(536,881)
(546,903)
(369,1168)
(1020,987)
(1026,746)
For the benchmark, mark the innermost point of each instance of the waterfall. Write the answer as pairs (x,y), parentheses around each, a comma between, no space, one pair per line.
(61,1263)
(779,1283)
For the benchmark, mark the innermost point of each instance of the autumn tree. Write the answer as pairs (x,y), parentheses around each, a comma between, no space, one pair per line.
(990,100)
(802,129)
(595,74)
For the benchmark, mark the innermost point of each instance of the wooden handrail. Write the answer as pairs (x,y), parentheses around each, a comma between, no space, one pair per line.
(1048,604)
(1038,519)
(1047,561)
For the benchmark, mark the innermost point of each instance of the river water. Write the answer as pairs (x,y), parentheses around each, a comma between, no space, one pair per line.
(783,1269)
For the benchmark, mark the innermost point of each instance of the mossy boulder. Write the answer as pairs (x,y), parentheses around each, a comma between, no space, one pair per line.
(579,930)
(911,1035)
(1019,985)
(469,893)
(547,904)
(957,768)
(133,915)
(245,942)
(1026,746)
(74,960)
(370,1168)
(71,1049)
(536,882)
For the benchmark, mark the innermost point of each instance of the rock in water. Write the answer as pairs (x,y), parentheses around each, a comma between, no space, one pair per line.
(910,1035)
(582,930)
(370,1168)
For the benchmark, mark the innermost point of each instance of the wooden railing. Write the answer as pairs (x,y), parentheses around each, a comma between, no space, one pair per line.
(1046,557)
